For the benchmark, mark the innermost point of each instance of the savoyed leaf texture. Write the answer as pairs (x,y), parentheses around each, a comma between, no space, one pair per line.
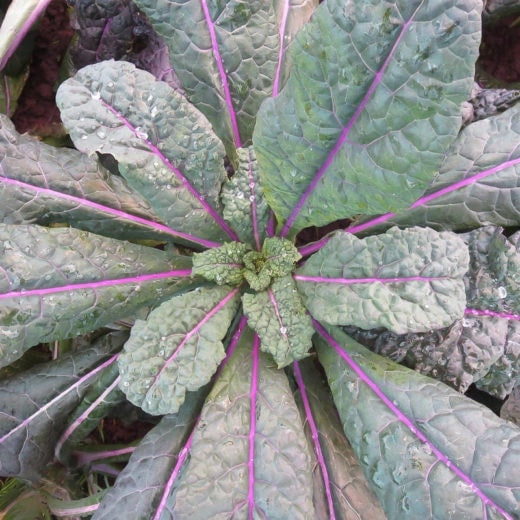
(35,404)
(228,55)
(405,280)
(43,184)
(178,348)
(372,102)
(251,432)
(280,320)
(61,282)
(340,488)
(429,451)
(161,142)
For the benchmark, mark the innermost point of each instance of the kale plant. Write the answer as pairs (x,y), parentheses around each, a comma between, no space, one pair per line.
(351,113)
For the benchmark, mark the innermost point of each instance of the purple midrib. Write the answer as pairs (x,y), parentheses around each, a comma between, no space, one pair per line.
(406,421)
(350,281)
(222,73)
(254,216)
(182,273)
(494,314)
(281,50)
(252,428)
(105,209)
(155,150)
(345,132)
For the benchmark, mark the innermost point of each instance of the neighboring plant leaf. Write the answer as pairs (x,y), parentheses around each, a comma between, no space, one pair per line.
(177,348)
(251,432)
(349,491)
(75,508)
(355,121)
(35,405)
(477,182)
(103,395)
(511,408)
(405,280)
(428,451)
(280,319)
(10,89)
(61,282)
(162,143)
(45,185)
(28,505)
(245,207)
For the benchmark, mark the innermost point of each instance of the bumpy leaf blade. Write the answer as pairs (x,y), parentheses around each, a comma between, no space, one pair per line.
(280,319)
(245,207)
(250,429)
(428,451)
(477,182)
(61,282)
(177,348)
(35,404)
(405,280)
(165,147)
(372,102)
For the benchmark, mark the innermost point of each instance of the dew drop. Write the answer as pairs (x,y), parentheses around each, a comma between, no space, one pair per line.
(283,330)
(110,84)
(240,195)
(140,133)
(101,134)
(252,198)
(96,95)
(126,383)
(84,136)
(502,292)
(168,186)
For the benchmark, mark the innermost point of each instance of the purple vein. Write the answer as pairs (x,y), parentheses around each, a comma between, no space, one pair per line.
(252,429)
(349,281)
(86,457)
(406,421)
(84,416)
(222,72)
(315,246)
(346,130)
(252,198)
(118,213)
(184,273)
(220,305)
(315,438)
(281,50)
(183,180)
(60,396)
(495,314)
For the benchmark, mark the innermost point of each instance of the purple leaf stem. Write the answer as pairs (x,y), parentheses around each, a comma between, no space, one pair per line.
(234,340)
(74,386)
(23,30)
(486,312)
(155,150)
(222,72)
(277,313)
(349,281)
(220,305)
(252,429)
(84,416)
(118,213)
(271,225)
(107,469)
(86,457)
(346,130)
(315,246)
(407,422)
(95,285)
(74,511)
(252,199)
(281,50)
(315,438)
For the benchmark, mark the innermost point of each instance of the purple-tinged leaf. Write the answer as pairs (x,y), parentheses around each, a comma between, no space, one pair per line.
(57,283)
(35,404)
(372,102)
(251,432)
(165,147)
(339,483)
(511,408)
(405,280)
(10,90)
(178,348)
(428,451)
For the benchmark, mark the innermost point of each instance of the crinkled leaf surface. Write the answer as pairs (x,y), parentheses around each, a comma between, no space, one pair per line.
(350,492)
(227,55)
(429,451)
(259,460)
(372,102)
(245,207)
(405,280)
(177,348)
(61,282)
(139,487)
(43,184)
(165,147)
(280,319)
(35,405)
(478,182)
